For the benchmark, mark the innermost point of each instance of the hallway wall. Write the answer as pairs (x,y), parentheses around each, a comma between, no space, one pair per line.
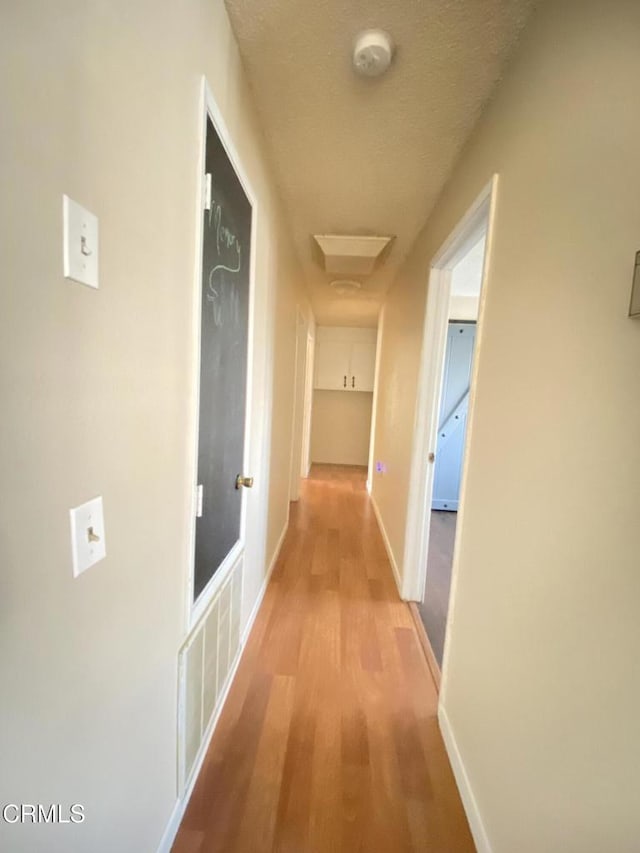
(541,687)
(341,427)
(102,102)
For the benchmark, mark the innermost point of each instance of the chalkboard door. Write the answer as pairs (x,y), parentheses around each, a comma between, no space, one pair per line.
(226,252)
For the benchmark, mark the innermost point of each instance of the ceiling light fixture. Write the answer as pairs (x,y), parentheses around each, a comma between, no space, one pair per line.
(372,53)
(345,286)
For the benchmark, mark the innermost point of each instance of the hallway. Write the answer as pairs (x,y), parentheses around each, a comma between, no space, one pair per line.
(329,740)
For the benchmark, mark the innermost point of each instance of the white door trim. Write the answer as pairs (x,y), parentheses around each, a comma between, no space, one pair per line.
(297,414)
(305,459)
(209,108)
(374,402)
(479,217)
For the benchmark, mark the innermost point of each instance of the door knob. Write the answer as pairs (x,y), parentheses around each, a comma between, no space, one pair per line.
(431,457)
(247,482)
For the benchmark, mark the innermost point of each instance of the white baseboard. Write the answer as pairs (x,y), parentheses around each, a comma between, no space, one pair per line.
(387,545)
(171,829)
(180,806)
(464,786)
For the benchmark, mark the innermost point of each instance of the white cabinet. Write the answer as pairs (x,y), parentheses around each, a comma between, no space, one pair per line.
(332,365)
(345,359)
(363,365)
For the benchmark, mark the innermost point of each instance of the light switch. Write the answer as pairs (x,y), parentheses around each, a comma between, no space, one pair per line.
(80,243)
(87,535)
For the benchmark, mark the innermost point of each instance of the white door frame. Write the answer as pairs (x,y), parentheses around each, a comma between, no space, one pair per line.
(297,419)
(305,458)
(479,218)
(374,402)
(209,108)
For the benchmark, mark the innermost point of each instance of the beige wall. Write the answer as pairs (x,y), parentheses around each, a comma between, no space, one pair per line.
(340,427)
(101,101)
(542,688)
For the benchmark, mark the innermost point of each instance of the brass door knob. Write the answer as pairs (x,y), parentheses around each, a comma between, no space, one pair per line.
(247,482)
(431,457)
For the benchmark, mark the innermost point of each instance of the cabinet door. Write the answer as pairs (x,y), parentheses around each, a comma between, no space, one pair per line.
(332,365)
(363,365)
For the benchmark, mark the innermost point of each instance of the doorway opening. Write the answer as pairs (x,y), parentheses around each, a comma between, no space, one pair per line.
(343,395)
(455,390)
(450,355)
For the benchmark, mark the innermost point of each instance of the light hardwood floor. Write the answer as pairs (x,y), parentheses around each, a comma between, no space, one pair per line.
(329,741)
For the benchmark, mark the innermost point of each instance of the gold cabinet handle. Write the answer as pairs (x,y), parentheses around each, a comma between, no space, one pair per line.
(247,482)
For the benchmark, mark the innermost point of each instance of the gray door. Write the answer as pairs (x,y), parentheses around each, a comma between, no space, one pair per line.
(453,415)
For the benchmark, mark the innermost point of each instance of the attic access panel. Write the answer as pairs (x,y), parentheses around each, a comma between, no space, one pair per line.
(351,255)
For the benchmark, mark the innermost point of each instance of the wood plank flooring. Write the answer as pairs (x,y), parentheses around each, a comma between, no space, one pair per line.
(435,607)
(329,742)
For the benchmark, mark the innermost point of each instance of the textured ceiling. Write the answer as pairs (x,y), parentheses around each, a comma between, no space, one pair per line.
(357,155)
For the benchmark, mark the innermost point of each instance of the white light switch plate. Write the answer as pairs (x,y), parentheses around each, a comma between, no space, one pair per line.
(80,243)
(87,535)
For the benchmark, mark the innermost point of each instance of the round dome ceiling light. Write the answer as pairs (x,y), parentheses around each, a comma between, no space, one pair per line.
(345,286)
(372,53)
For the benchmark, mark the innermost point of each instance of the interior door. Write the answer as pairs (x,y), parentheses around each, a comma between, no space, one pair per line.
(454,407)
(224,341)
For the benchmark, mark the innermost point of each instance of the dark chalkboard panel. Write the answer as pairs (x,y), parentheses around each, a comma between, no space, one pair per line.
(223,366)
